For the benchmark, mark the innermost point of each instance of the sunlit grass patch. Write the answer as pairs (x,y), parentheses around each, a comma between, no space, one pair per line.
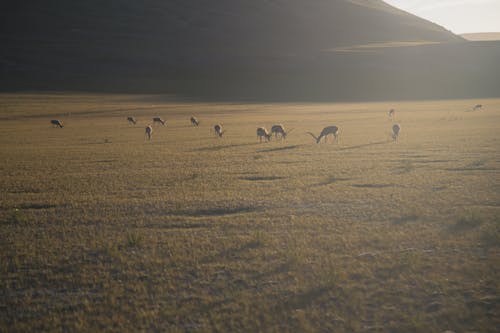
(194,233)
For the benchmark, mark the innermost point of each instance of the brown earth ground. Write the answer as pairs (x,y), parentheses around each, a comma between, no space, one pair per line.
(101,230)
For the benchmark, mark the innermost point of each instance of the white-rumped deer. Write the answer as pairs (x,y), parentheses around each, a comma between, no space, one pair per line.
(396,128)
(280,129)
(263,133)
(57,123)
(218,130)
(194,121)
(329,130)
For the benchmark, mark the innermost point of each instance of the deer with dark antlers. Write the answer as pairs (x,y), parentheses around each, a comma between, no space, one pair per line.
(329,130)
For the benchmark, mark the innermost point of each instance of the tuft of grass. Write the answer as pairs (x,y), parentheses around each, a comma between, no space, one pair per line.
(134,240)
(259,239)
(15,217)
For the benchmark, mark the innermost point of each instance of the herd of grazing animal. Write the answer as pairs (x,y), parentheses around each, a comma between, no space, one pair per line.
(278,130)
(262,133)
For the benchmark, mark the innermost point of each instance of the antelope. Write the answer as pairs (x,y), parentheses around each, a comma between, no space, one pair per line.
(395,132)
(149,132)
(131,120)
(218,130)
(391,113)
(56,122)
(262,132)
(194,121)
(477,107)
(158,120)
(333,130)
(279,129)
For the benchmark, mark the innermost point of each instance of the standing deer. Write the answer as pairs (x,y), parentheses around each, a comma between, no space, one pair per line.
(391,113)
(262,132)
(158,120)
(131,120)
(56,123)
(477,107)
(194,121)
(329,130)
(218,130)
(395,132)
(280,129)
(148,132)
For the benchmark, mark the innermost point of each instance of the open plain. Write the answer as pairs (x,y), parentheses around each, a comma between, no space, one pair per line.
(103,230)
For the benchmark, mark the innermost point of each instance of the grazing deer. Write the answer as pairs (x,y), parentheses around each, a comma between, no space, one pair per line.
(262,132)
(218,130)
(329,130)
(395,132)
(148,132)
(56,123)
(477,107)
(280,129)
(391,113)
(194,121)
(131,120)
(158,120)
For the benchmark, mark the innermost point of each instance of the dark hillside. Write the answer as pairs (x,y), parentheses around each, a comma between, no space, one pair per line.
(202,48)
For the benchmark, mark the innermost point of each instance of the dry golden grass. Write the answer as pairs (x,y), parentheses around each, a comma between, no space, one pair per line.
(101,230)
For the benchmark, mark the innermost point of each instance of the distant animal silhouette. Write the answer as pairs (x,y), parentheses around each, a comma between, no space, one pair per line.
(391,113)
(477,107)
(279,130)
(329,130)
(131,120)
(56,123)
(149,132)
(396,128)
(158,120)
(194,121)
(263,133)
(218,130)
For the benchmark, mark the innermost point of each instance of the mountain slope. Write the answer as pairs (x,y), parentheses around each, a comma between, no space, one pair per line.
(185,45)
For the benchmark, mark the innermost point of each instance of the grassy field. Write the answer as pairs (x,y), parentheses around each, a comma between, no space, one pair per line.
(101,230)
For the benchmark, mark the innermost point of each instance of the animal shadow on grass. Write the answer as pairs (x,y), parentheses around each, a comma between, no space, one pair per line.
(373,185)
(474,166)
(366,145)
(216,211)
(466,222)
(262,178)
(405,219)
(217,148)
(331,180)
(269,150)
